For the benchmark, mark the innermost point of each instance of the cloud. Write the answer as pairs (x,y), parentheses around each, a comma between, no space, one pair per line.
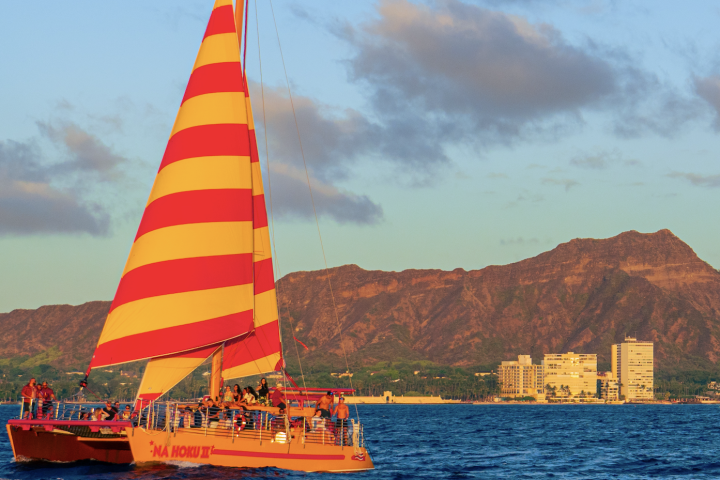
(593,162)
(444,72)
(565,182)
(42,196)
(708,88)
(497,175)
(291,199)
(449,71)
(85,152)
(333,142)
(711,181)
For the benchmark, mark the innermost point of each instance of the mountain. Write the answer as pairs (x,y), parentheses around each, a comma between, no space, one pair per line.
(582,296)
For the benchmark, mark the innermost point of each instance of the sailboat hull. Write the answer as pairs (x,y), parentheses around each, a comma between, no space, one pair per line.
(205,446)
(36,443)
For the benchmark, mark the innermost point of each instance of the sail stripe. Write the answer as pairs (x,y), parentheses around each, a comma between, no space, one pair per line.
(163,373)
(258,350)
(211,108)
(222,20)
(173,339)
(207,141)
(192,240)
(184,308)
(183,275)
(218,48)
(202,173)
(264,279)
(215,77)
(265,308)
(257,184)
(197,206)
(259,212)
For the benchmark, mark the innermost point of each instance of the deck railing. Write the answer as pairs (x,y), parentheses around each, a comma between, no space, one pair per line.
(250,424)
(238,423)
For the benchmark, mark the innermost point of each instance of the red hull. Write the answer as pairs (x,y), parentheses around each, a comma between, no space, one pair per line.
(39,444)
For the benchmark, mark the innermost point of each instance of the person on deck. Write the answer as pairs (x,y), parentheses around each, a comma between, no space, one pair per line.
(116,408)
(29,395)
(198,416)
(213,414)
(343,415)
(48,396)
(278,398)
(228,396)
(108,413)
(263,390)
(325,405)
(249,397)
(237,394)
(127,413)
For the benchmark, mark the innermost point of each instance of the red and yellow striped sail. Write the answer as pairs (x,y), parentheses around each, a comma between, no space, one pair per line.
(200,270)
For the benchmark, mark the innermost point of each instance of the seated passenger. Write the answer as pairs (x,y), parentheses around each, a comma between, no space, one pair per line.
(228,395)
(225,420)
(127,413)
(278,398)
(248,397)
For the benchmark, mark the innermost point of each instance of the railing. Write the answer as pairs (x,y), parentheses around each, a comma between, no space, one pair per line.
(259,425)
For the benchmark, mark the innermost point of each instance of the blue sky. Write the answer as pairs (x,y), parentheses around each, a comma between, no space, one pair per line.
(439,134)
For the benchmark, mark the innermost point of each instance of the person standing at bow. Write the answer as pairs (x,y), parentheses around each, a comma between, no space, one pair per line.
(29,396)
(48,396)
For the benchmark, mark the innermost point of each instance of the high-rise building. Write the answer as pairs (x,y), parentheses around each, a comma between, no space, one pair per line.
(571,375)
(521,378)
(632,366)
(607,386)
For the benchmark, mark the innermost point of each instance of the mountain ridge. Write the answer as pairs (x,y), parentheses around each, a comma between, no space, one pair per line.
(581,296)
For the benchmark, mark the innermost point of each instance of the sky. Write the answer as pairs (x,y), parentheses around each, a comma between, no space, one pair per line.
(438,134)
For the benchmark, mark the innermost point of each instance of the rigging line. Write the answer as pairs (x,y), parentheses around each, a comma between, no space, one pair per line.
(312,200)
(272,218)
(247,14)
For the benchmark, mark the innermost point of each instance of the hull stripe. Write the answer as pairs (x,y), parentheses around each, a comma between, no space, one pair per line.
(286,456)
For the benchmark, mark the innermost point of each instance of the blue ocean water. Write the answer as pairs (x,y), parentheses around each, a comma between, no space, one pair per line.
(483,441)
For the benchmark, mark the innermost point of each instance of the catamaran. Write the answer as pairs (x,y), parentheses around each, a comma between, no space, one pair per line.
(199,284)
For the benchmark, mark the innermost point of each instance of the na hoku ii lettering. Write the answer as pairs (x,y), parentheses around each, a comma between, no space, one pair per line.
(182,451)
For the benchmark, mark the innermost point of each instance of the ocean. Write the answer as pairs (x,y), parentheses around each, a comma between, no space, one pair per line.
(478,441)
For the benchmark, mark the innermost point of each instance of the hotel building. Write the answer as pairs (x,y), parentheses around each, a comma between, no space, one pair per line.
(521,378)
(571,375)
(632,366)
(607,386)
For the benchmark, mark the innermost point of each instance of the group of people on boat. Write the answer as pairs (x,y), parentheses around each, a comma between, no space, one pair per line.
(235,397)
(37,400)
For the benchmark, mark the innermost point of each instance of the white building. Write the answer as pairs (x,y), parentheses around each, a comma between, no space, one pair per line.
(571,375)
(632,365)
(521,378)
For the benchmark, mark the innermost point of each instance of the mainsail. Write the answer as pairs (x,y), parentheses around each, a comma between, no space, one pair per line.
(199,274)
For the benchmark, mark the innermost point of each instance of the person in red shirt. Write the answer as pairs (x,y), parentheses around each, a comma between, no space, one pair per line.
(278,398)
(48,396)
(29,395)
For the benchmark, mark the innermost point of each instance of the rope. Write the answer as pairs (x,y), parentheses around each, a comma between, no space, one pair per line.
(272,218)
(312,200)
